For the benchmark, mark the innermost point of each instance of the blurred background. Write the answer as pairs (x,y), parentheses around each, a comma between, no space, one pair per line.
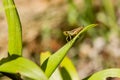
(43,23)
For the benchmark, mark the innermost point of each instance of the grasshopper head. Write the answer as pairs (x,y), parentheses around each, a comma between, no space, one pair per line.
(65,33)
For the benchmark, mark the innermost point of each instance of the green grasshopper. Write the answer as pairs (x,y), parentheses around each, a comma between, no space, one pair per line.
(72,33)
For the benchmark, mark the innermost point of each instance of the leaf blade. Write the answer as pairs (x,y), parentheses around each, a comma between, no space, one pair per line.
(102,75)
(56,75)
(22,66)
(68,65)
(14,28)
(54,60)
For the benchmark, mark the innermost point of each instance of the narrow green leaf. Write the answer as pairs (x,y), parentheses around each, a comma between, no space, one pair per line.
(44,56)
(54,60)
(68,66)
(23,66)
(56,74)
(104,74)
(14,28)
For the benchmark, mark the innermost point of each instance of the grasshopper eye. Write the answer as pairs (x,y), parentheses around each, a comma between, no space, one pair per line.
(65,33)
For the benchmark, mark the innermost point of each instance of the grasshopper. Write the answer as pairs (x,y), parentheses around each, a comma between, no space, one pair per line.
(72,33)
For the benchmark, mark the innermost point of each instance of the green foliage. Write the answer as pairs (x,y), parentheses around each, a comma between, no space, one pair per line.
(67,73)
(54,60)
(14,28)
(19,65)
(16,67)
(102,75)
(15,64)
(56,74)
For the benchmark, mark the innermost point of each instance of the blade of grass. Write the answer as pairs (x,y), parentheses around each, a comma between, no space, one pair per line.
(102,75)
(54,60)
(14,28)
(71,71)
(56,74)
(19,65)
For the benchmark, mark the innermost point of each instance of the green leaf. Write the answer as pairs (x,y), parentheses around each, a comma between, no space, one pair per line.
(67,68)
(56,74)
(44,56)
(54,60)
(14,28)
(102,75)
(70,74)
(15,64)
